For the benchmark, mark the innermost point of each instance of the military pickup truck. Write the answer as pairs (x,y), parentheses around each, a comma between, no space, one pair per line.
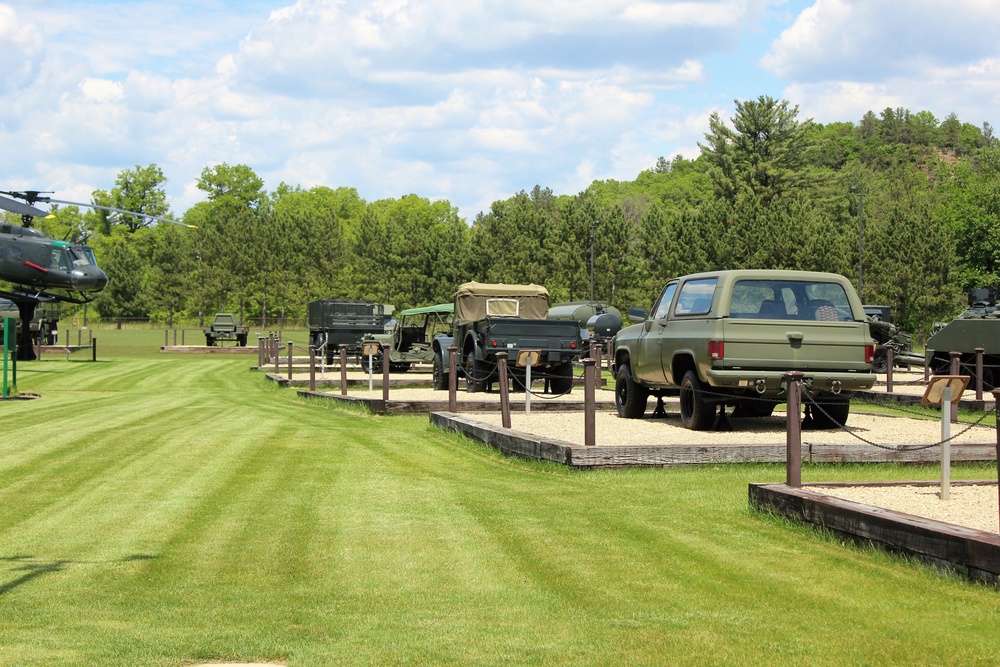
(335,323)
(225,326)
(493,317)
(728,338)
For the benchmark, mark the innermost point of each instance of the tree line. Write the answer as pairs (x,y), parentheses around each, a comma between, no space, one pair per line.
(769,190)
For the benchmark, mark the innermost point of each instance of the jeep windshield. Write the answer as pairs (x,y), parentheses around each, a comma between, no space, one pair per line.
(790,300)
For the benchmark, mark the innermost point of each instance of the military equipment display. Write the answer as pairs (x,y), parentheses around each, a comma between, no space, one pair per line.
(412,336)
(44,325)
(978,326)
(42,269)
(225,326)
(335,324)
(728,338)
(490,318)
(597,321)
(888,336)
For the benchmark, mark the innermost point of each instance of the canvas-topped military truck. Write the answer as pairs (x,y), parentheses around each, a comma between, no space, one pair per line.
(225,326)
(494,317)
(335,323)
(727,338)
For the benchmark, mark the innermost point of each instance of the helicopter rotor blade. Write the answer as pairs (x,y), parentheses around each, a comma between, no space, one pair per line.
(147,216)
(20,209)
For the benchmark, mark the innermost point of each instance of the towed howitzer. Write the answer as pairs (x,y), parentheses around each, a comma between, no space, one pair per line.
(888,336)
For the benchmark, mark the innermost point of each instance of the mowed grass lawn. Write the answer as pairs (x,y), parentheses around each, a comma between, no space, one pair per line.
(171,509)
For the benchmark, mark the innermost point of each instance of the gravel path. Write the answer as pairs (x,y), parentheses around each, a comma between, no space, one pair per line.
(973,506)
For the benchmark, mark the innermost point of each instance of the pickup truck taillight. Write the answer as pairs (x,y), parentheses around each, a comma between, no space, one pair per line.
(716,349)
(869,353)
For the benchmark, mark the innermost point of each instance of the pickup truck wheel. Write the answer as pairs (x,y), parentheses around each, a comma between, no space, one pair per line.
(834,413)
(476,373)
(440,377)
(630,397)
(561,381)
(697,414)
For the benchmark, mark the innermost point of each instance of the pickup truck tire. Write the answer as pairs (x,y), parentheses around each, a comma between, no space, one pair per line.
(476,373)
(438,373)
(697,414)
(630,397)
(561,381)
(834,413)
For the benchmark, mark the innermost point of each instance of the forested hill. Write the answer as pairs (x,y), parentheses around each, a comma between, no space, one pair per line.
(769,190)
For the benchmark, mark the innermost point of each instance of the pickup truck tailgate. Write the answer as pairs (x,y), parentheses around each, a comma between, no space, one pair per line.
(794,345)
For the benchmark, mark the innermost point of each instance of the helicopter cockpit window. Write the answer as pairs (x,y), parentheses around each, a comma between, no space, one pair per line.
(86,254)
(60,259)
(14,254)
(79,258)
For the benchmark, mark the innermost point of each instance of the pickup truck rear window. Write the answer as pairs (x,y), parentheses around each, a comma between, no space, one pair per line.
(790,300)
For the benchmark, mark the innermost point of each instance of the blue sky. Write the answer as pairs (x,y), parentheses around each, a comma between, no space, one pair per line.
(469,101)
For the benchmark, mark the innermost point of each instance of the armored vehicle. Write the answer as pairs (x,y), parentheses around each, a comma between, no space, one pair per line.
(44,325)
(225,326)
(412,336)
(976,326)
(334,324)
(597,321)
(494,317)
(728,338)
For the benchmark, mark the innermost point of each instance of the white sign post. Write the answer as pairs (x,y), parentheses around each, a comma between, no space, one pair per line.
(527,358)
(944,391)
(369,349)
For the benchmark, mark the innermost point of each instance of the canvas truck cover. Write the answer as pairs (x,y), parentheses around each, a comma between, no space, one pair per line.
(476,301)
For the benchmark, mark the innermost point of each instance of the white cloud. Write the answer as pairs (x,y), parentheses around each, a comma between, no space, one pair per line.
(21,49)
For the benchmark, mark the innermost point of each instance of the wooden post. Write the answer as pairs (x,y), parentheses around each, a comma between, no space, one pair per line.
(889,356)
(260,353)
(927,369)
(793,431)
(274,343)
(166,337)
(343,371)
(93,350)
(175,338)
(79,337)
(979,374)
(956,369)
(182,336)
(608,353)
(90,336)
(595,354)
(452,380)
(504,390)
(996,409)
(385,375)
(289,361)
(312,368)
(590,366)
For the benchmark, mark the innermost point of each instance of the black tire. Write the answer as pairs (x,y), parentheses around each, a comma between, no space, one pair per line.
(881,362)
(561,380)
(697,414)
(439,374)
(209,341)
(475,372)
(399,368)
(630,396)
(242,340)
(831,412)
(376,363)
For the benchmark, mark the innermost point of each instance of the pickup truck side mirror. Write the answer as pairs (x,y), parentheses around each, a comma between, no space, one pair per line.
(636,314)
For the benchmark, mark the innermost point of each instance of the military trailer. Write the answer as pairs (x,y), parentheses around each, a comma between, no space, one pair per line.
(44,325)
(490,318)
(411,338)
(335,324)
(225,326)
(976,326)
(598,322)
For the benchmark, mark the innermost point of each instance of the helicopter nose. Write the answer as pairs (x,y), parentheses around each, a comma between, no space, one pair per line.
(91,280)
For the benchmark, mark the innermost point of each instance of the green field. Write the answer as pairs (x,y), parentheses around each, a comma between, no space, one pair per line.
(171,509)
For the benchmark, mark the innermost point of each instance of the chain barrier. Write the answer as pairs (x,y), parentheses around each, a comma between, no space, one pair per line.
(490,367)
(807,399)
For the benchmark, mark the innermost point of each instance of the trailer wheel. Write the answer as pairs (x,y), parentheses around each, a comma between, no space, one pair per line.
(209,341)
(475,372)
(561,381)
